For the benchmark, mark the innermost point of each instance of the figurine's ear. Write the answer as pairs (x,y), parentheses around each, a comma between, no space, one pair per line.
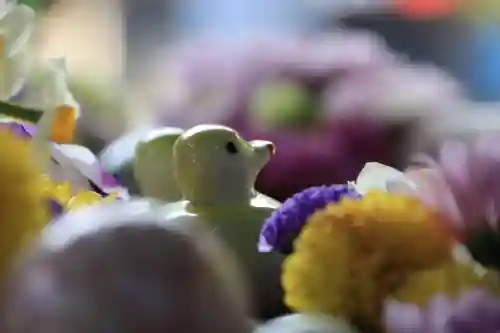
(18,112)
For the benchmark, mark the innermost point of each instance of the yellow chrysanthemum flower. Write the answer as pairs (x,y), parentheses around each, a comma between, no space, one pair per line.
(451,278)
(23,212)
(351,255)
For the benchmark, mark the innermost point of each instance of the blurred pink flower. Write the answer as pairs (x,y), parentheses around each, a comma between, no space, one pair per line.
(463,183)
(474,311)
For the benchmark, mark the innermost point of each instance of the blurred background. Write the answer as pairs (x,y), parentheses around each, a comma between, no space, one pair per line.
(389,65)
(123,34)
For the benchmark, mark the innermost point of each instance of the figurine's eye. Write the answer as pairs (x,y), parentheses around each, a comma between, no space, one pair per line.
(231,148)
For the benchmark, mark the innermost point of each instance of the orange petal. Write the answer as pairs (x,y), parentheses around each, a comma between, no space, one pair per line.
(64,125)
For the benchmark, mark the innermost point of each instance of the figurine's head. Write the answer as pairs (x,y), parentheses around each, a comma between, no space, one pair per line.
(154,166)
(215,164)
(121,268)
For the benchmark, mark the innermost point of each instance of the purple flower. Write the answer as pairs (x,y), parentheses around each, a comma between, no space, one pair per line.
(279,230)
(474,311)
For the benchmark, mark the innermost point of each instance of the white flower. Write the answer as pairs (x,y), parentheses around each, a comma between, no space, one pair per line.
(16,28)
(377,176)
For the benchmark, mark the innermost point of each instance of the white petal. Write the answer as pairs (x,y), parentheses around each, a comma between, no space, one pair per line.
(80,158)
(16,28)
(377,176)
(13,73)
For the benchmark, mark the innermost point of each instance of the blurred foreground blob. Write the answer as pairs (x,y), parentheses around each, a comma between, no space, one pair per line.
(135,273)
(305,323)
(330,103)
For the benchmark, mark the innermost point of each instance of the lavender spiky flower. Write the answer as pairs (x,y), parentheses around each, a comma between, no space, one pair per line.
(284,225)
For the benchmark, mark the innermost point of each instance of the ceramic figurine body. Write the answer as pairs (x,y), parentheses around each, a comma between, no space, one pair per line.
(215,170)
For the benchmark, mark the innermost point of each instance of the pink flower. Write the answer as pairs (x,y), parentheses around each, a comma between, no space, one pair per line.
(473,311)
(463,183)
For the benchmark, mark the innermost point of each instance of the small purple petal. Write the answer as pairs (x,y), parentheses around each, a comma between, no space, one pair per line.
(30,129)
(23,130)
(108,180)
(55,207)
(19,130)
(280,230)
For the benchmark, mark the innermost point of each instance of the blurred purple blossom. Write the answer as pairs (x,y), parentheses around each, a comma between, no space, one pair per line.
(366,100)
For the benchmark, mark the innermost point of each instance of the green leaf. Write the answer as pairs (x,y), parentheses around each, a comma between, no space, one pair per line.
(19,112)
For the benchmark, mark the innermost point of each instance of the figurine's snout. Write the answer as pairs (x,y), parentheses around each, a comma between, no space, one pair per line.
(263,145)
(271,147)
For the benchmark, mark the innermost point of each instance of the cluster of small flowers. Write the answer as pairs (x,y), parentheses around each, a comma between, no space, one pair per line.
(413,251)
